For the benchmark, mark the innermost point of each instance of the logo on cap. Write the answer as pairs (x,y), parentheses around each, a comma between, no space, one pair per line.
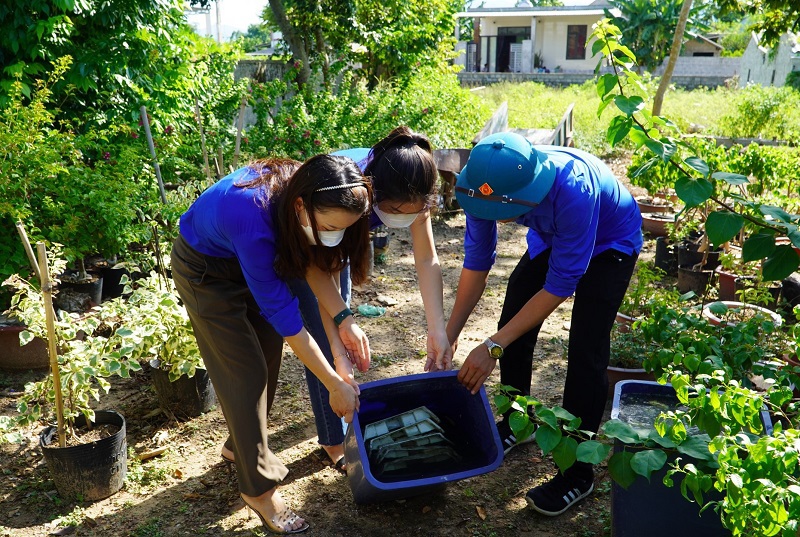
(485,189)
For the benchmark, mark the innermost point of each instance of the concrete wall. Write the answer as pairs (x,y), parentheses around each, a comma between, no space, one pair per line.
(261,71)
(703,66)
(759,68)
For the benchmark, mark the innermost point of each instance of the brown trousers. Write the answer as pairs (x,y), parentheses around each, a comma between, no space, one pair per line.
(242,353)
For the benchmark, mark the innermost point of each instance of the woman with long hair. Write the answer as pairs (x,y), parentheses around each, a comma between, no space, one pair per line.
(240,243)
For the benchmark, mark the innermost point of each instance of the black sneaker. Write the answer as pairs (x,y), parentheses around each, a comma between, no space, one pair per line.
(508,439)
(558,494)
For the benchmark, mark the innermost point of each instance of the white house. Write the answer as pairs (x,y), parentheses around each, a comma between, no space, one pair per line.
(764,66)
(514,36)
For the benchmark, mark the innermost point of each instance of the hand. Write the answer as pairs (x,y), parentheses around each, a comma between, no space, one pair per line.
(344,400)
(476,369)
(356,343)
(344,368)
(440,353)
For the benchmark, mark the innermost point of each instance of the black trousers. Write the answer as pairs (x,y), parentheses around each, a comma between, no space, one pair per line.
(597,298)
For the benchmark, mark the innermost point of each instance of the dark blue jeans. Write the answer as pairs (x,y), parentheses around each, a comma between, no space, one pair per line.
(597,298)
(329,425)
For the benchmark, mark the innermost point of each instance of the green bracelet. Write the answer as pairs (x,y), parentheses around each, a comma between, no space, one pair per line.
(344,314)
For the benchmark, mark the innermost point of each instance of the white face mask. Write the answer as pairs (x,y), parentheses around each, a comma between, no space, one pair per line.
(327,238)
(395,220)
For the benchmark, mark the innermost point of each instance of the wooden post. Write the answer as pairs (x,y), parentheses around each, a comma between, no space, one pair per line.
(220,162)
(239,128)
(202,140)
(146,123)
(28,250)
(47,294)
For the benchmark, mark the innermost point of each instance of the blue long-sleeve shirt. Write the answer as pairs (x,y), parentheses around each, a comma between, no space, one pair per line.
(586,212)
(227,221)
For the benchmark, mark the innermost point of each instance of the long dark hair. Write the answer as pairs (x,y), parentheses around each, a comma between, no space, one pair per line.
(282,181)
(402,169)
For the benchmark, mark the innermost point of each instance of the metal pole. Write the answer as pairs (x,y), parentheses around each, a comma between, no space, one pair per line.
(146,123)
(47,290)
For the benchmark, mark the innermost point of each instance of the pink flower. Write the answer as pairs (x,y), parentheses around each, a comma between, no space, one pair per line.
(317,142)
(168,130)
(134,135)
(425,110)
(107,155)
(306,133)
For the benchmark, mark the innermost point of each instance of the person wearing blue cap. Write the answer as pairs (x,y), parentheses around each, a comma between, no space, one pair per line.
(584,237)
(402,173)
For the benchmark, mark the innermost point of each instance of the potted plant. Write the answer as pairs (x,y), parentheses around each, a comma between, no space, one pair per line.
(154,328)
(641,293)
(628,351)
(91,464)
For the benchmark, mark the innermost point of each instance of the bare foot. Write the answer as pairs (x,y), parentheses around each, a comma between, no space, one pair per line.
(226,453)
(274,513)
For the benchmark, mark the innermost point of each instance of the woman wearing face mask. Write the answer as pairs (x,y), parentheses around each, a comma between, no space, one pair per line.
(240,243)
(403,176)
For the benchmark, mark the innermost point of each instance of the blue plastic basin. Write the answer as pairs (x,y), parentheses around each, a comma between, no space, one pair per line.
(467,420)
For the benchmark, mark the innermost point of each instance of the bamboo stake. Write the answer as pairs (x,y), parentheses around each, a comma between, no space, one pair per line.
(202,140)
(239,128)
(47,290)
(28,249)
(220,162)
(146,123)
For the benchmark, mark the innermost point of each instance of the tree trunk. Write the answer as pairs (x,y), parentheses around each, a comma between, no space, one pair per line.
(677,42)
(322,49)
(476,36)
(296,43)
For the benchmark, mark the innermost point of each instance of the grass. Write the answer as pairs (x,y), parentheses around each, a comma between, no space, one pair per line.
(534,105)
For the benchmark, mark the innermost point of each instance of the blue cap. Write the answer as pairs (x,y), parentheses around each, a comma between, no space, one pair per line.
(504,167)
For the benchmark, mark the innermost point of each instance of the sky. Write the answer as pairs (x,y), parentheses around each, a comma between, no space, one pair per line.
(235,15)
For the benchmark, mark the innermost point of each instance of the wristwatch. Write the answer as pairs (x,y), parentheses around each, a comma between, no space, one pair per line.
(495,350)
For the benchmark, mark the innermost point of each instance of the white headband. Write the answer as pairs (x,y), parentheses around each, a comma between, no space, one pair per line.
(336,187)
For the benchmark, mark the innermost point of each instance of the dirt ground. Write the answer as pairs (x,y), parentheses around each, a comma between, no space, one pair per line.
(187,490)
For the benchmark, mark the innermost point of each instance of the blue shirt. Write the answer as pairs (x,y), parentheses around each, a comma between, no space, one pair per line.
(361,156)
(586,212)
(227,221)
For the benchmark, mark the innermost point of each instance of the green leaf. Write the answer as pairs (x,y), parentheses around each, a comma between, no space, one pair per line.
(731,178)
(619,466)
(644,167)
(722,226)
(776,213)
(648,461)
(693,192)
(564,453)
(518,421)
(548,438)
(618,129)
(638,136)
(758,246)
(718,308)
(592,451)
(548,416)
(606,83)
(697,447)
(656,147)
(698,164)
(503,403)
(783,261)
(621,431)
(629,105)
(25,337)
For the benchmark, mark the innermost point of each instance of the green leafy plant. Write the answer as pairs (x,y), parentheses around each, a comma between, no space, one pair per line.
(643,292)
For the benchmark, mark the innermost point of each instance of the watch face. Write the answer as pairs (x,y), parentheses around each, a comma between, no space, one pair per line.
(496,351)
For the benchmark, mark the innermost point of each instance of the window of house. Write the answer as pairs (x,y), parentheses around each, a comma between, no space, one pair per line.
(576,42)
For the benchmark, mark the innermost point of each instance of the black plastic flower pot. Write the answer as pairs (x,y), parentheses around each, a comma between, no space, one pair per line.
(694,280)
(92,287)
(187,397)
(666,259)
(112,288)
(91,471)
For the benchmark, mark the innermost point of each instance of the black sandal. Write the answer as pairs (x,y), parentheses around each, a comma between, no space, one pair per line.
(339,465)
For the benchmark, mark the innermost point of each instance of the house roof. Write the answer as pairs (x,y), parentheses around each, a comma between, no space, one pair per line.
(705,39)
(516,8)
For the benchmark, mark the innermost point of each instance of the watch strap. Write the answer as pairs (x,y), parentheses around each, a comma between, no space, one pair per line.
(341,316)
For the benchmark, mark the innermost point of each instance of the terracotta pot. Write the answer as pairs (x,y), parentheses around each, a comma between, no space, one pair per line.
(34,355)
(653,205)
(618,374)
(713,319)
(624,322)
(655,224)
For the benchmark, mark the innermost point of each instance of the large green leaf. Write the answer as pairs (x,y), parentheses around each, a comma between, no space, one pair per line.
(547,438)
(731,178)
(564,452)
(621,431)
(638,136)
(777,213)
(648,461)
(693,192)
(618,129)
(619,466)
(697,447)
(629,105)
(698,164)
(722,226)
(758,246)
(592,451)
(606,84)
(644,167)
(783,261)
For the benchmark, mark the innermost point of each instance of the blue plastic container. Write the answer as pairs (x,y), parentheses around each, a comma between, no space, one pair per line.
(651,508)
(467,420)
